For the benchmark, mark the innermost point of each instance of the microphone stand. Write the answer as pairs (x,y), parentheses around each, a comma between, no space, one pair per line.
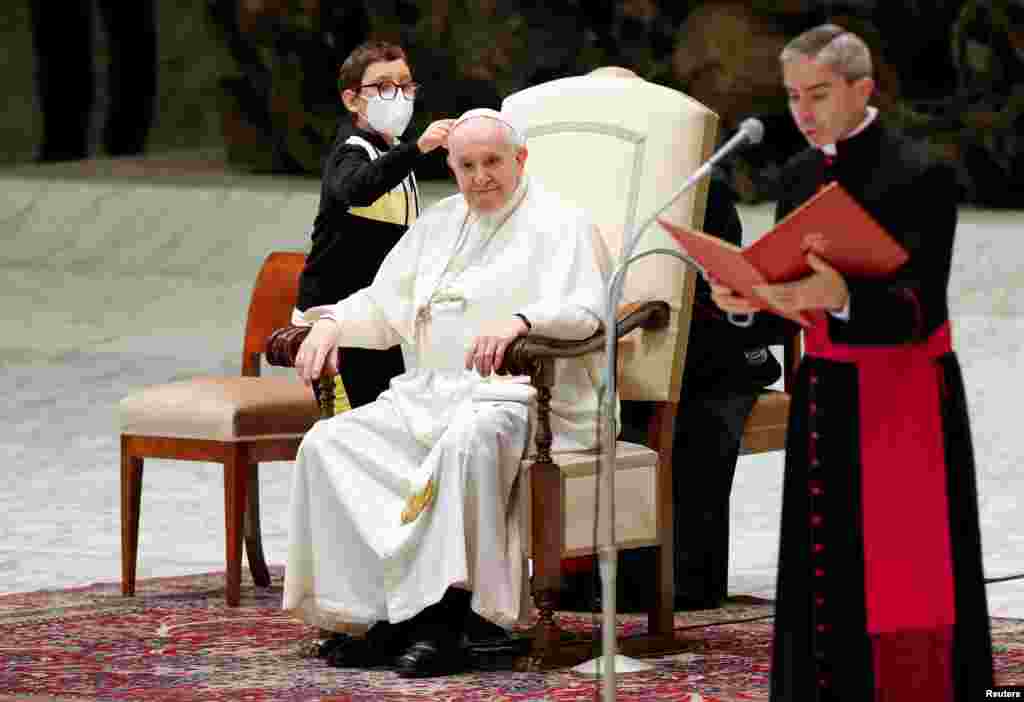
(608,550)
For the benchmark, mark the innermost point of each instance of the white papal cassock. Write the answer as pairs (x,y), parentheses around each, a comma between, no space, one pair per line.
(395,501)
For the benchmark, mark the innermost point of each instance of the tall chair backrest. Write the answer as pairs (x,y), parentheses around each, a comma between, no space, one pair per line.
(271,304)
(619,146)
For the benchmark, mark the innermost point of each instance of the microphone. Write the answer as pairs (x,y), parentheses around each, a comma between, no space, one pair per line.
(753,129)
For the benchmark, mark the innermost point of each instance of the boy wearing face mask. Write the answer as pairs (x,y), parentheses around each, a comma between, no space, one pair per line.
(368,198)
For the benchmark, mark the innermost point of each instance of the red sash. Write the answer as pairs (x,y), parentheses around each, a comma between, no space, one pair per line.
(908,572)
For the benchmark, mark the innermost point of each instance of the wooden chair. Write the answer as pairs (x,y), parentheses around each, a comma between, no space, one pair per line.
(619,146)
(237,421)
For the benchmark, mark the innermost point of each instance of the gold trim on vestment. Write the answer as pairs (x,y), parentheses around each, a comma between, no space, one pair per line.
(418,502)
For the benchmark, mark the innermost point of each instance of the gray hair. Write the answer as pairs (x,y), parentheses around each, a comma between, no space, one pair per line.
(831,45)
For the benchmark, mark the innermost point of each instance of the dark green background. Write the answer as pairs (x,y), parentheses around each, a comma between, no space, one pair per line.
(252,81)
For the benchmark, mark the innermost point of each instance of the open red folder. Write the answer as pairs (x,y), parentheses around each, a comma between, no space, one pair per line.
(853,243)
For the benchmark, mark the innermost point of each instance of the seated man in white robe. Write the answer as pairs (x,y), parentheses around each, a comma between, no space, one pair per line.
(404,518)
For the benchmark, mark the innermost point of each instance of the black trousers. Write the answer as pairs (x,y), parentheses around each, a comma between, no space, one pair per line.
(366,373)
(708,431)
(62,34)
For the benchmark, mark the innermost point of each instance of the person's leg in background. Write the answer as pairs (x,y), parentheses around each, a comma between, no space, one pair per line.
(132,84)
(706,443)
(62,37)
(708,432)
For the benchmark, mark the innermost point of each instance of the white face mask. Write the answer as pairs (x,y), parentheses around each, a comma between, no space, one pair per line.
(389,116)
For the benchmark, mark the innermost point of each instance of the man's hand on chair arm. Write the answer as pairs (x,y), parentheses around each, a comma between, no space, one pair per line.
(487,352)
(317,352)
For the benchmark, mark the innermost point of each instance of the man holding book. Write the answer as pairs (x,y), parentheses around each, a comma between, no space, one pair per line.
(880,588)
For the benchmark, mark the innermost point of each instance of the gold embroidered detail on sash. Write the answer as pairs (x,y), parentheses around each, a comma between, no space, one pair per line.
(389,207)
(418,502)
(341,401)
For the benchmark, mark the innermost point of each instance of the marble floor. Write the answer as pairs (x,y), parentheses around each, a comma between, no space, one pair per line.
(112,282)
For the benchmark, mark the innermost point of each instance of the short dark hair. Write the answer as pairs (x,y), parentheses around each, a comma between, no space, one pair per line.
(831,45)
(350,76)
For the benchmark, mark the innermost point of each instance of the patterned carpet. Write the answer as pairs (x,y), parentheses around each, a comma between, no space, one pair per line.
(177,642)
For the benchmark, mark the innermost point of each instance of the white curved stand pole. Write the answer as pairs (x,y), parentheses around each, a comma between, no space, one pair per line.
(611,664)
(750,131)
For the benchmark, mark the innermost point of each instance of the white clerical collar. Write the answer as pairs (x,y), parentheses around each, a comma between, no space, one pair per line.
(830,149)
(493,219)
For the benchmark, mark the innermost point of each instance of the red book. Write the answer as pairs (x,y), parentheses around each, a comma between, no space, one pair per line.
(852,242)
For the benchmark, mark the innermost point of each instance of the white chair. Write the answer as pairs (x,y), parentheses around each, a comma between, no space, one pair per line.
(619,147)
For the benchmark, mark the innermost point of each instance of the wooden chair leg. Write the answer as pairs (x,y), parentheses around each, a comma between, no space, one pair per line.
(660,617)
(236,482)
(547,557)
(131,499)
(253,540)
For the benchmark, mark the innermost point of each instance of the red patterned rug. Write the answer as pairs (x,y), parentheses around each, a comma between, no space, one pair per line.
(176,641)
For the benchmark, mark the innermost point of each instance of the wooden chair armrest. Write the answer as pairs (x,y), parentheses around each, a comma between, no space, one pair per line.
(283,345)
(523,354)
(282,348)
(521,358)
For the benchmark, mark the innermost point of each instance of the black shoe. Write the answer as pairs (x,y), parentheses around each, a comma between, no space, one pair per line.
(435,633)
(488,646)
(324,647)
(344,651)
(478,630)
(382,643)
(497,654)
(430,658)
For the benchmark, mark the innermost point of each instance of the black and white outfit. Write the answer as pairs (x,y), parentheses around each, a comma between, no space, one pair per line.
(368,199)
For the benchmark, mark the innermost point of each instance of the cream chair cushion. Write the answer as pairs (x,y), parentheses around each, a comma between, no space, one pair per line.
(635,514)
(221,409)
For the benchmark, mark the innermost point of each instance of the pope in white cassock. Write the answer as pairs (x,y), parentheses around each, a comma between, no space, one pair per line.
(403,507)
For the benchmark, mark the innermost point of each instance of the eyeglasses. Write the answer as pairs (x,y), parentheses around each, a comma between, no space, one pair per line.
(389,91)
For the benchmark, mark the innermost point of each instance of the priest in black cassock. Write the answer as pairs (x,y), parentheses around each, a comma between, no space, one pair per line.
(880,592)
